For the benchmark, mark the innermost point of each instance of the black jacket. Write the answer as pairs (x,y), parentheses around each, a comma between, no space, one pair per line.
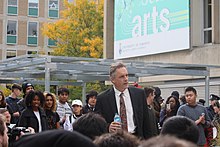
(28,119)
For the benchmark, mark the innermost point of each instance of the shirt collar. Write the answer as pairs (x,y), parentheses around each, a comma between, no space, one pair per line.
(117,92)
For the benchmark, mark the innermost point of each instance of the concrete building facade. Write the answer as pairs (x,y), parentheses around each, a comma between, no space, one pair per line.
(205,48)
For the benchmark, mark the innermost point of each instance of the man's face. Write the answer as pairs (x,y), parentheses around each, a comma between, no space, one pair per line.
(63,97)
(17,92)
(4,138)
(92,101)
(190,98)
(120,80)
(29,88)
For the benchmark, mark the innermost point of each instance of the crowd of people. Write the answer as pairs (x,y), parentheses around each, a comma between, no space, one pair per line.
(144,117)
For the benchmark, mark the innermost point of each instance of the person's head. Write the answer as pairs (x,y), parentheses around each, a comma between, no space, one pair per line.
(149,95)
(16,89)
(34,99)
(117,139)
(174,102)
(77,106)
(181,127)
(166,141)
(7,115)
(3,132)
(50,101)
(202,102)
(119,76)
(2,99)
(27,87)
(91,98)
(55,138)
(213,98)
(182,99)
(190,94)
(90,125)
(216,107)
(63,95)
(176,94)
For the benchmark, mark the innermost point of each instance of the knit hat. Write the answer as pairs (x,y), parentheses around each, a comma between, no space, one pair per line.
(25,86)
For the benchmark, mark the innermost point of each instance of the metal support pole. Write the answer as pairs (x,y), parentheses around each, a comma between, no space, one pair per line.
(47,74)
(84,92)
(207,90)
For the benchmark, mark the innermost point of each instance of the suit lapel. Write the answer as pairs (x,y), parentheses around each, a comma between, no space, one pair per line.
(111,101)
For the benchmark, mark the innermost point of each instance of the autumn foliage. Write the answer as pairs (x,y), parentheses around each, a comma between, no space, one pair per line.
(79,32)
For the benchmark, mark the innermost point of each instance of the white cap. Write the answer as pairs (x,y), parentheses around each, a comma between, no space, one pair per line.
(77,102)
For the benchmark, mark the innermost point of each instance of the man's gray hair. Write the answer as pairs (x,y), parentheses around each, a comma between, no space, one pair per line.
(113,68)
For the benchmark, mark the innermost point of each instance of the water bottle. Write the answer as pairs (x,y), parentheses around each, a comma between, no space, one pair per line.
(117,118)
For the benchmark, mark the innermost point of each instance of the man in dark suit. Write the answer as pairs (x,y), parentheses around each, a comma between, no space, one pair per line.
(109,103)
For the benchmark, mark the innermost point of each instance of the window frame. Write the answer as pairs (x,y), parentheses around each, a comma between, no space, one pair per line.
(15,6)
(32,35)
(206,16)
(8,35)
(11,50)
(33,8)
(49,9)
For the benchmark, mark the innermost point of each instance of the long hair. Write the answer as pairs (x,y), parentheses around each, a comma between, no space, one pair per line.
(53,108)
(177,103)
(2,102)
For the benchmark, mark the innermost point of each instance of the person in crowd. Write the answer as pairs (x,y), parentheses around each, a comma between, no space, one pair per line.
(50,110)
(181,127)
(158,100)
(77,108)
(149,101)
(33,115)
(12,100)
(55,138)
(176,94)
(90,101)
(216,125)
(182,100)
(64,110)
(171,108)
(166,141)
(3,132)
(2,100)
(26,87)
(91,125)
(7,115)
(117,139)
(129,102)
(213,99)
(201,102)
(195,112)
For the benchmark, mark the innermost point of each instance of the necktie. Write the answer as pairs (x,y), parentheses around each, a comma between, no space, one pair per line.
(123,113)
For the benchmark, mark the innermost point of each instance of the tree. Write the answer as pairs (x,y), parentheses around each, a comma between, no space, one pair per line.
(80,31)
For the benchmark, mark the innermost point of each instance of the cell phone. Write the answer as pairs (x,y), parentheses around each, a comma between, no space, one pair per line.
(203,114)
(168,106)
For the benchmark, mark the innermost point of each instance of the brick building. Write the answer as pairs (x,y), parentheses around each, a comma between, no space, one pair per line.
(20,26)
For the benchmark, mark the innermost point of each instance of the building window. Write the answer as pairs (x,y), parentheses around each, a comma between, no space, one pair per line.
(51,42)
(32,33)
(12,32)
(12,7)
(53,9)
(11,54)
(208,21)
(33,8)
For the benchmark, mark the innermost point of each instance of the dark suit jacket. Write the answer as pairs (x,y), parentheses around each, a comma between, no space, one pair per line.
(107,107)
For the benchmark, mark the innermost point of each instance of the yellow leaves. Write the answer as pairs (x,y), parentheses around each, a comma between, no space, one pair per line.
(80,31)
